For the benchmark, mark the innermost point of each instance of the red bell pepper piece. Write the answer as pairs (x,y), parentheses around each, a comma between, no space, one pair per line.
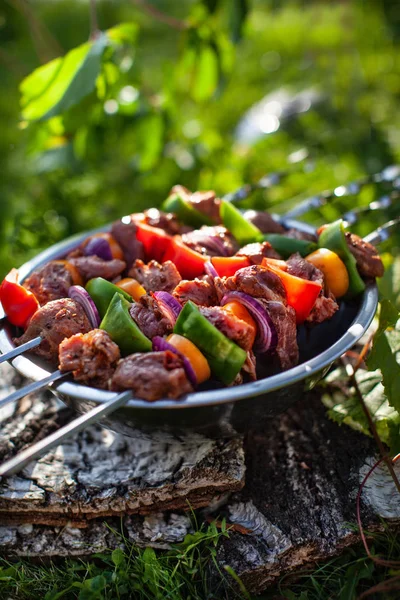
(226,266)
(189,263)
(301,293)
(18,303)
(155,241)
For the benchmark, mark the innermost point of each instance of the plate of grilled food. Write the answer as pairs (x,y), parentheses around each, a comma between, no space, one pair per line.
(193,317)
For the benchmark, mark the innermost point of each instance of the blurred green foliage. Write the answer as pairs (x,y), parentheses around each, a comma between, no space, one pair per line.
(165,105)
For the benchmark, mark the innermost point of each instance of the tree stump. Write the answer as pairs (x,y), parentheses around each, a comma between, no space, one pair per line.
(288,491)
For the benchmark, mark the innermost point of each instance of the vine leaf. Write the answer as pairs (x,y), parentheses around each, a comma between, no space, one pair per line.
(60,84)
(385,347)
(380,386)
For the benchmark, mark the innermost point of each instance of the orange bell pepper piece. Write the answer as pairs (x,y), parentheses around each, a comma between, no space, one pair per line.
(301,294)
(226,266)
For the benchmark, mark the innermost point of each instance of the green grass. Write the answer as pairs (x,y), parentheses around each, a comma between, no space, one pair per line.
(183,573)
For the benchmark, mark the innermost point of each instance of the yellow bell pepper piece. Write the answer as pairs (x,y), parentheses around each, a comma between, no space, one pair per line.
(333,268)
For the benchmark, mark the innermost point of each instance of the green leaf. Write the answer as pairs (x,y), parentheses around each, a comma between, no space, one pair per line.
(238,14)
(150,134)
(60,84)
(118,557)
(125,33)
(206,74)
(383,354)
(345,408)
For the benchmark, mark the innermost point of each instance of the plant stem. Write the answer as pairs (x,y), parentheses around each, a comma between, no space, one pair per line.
(94,25)
(159,15)
(352,374)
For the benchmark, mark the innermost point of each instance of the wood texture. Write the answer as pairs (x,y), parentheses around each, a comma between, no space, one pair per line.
(301,478)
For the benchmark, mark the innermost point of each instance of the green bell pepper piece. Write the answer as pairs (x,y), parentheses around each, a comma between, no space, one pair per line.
(224,356)
(241,229)
(185,212)
(122,329)
(102,291)
(333,238)
(287,246)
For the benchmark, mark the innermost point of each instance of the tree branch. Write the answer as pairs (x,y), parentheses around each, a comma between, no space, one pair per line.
(94,25)
(157,14)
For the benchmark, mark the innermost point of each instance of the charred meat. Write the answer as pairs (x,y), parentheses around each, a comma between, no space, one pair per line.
(257,251)
(55,321)
(92,357)
(166,221)
(230,325)
(199,291)
(50,282)
(152,376)
(368,260)
(147,314)
(93,266)
(155,277)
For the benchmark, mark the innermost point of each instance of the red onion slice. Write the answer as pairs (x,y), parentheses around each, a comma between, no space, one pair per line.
(210,269)
(168,305)
(267,338)
(212,243)
(98,246)
(79,294)
(160,345)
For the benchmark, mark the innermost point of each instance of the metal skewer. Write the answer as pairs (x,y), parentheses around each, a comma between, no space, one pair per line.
(14,465)
(33,387)
(388,175)
(20,349)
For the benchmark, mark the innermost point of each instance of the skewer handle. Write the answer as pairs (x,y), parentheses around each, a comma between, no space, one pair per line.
(14,465)
(20,349)
(32,387)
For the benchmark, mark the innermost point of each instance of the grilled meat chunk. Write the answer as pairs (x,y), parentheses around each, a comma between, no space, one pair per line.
(325,305)
(284,319)
(324,308)
(199,291)
(264,221)
(166,221)
(257,251)
(50,282)
(152,375)
(255,281)
(298,266)
(155,277)
(368,260)
(234,328)
(125,235)
(93,266)
(92,357)
(268,289)
(55,321)
(211,241)
(205,202)
(148,316)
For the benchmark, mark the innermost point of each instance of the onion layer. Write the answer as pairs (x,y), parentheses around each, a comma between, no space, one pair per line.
(80,295)
(160,345)
(212,243)
(169,305)
(98,246)
(210,269)
(266,338)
